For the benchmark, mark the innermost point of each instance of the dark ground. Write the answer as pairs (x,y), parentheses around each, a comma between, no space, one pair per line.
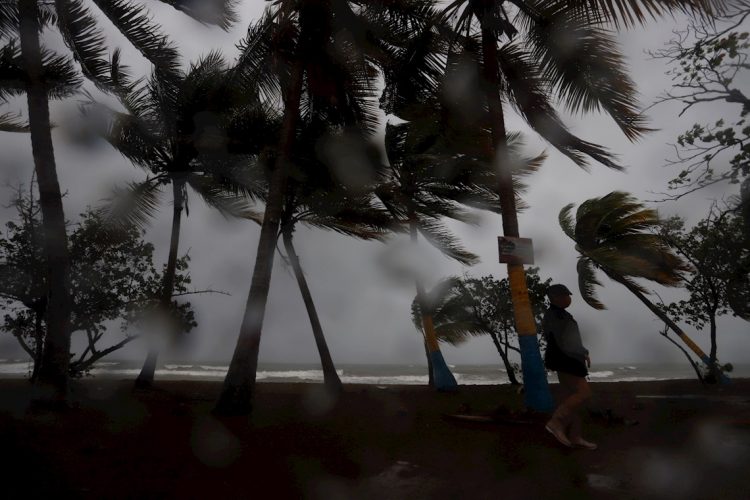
(385,443)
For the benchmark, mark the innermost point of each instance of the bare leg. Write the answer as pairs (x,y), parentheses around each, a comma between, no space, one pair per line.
(567,414)
(574,396)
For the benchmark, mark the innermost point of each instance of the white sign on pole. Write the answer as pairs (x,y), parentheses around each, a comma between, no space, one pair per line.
(515,250)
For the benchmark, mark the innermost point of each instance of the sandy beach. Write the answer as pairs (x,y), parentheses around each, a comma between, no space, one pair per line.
(656,440)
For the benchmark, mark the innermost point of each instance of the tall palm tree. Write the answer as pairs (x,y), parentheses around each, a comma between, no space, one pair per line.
(73,20)
(179,129)
(313,56)
(428,176)
(317,196)
(529,53)
(612,235)
(420,187)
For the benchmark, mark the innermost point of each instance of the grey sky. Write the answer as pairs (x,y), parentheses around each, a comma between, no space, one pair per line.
(365,316)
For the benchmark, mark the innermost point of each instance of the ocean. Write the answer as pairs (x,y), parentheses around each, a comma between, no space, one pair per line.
(377,374)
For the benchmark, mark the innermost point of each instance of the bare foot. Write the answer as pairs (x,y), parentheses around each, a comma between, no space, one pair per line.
(582,443)
(555,428)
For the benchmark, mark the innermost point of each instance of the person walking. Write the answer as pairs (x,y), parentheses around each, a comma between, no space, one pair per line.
(567,356)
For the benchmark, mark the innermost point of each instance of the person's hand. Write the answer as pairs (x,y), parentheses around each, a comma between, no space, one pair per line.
(588,362)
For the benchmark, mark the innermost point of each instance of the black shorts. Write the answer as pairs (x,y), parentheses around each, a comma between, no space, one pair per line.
(568,365)
(558,361)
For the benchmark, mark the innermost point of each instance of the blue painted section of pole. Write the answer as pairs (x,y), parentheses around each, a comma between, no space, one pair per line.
(723,377)
(441,374)
(536,392)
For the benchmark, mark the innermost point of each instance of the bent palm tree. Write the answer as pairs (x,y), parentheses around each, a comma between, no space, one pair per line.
(25,19)
(465,307)
(555,49)
(317,197)
(611,235)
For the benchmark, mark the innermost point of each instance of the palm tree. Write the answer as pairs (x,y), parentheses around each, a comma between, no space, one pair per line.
(178,129)
(465,307)
(315,57)
(431,171)
(420,187)
(611,235)
(316,198)
(25,19)
(556,49)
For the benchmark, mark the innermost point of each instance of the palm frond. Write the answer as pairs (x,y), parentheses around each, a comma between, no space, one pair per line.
(221,13)
(440,293)
(12,76)
(58,72)
(587,283)
(136,139)
(60,75)
(264,60)
(226,202)
(415,73)
(441,238)
(629,13)
(530,94)
(566,221)
(85,40)
(134,205)
(8,19)
(583,64)
(134,22)
(10,122)
(458,333)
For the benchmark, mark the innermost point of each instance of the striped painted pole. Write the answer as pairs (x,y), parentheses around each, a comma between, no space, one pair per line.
(441,375)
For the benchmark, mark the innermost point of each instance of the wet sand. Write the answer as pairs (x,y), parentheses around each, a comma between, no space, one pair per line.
(667,439)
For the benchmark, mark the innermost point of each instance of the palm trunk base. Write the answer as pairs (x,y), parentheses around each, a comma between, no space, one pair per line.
(234,402)
(442,377)
(716,371)
(333,383)
(536,392)
(145,378)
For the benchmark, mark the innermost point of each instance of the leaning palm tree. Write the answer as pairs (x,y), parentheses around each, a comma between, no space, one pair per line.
(612,235)
(531,54)
(24,21)
(466,307)
(316,197)
(178,129)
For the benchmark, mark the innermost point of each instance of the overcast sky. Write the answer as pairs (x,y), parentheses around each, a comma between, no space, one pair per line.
(365,316)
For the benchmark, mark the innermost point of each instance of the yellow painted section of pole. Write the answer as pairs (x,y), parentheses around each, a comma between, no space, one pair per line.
(692,345)
(519,294)
(429,334)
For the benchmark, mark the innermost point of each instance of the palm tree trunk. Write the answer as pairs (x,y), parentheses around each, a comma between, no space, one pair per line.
(673,326)
(146,376)
(714,347)
(506,362)
(237,391)
(330,377)
(442,378)
(536,395)
(39,343)
(53,372)
(430,376)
